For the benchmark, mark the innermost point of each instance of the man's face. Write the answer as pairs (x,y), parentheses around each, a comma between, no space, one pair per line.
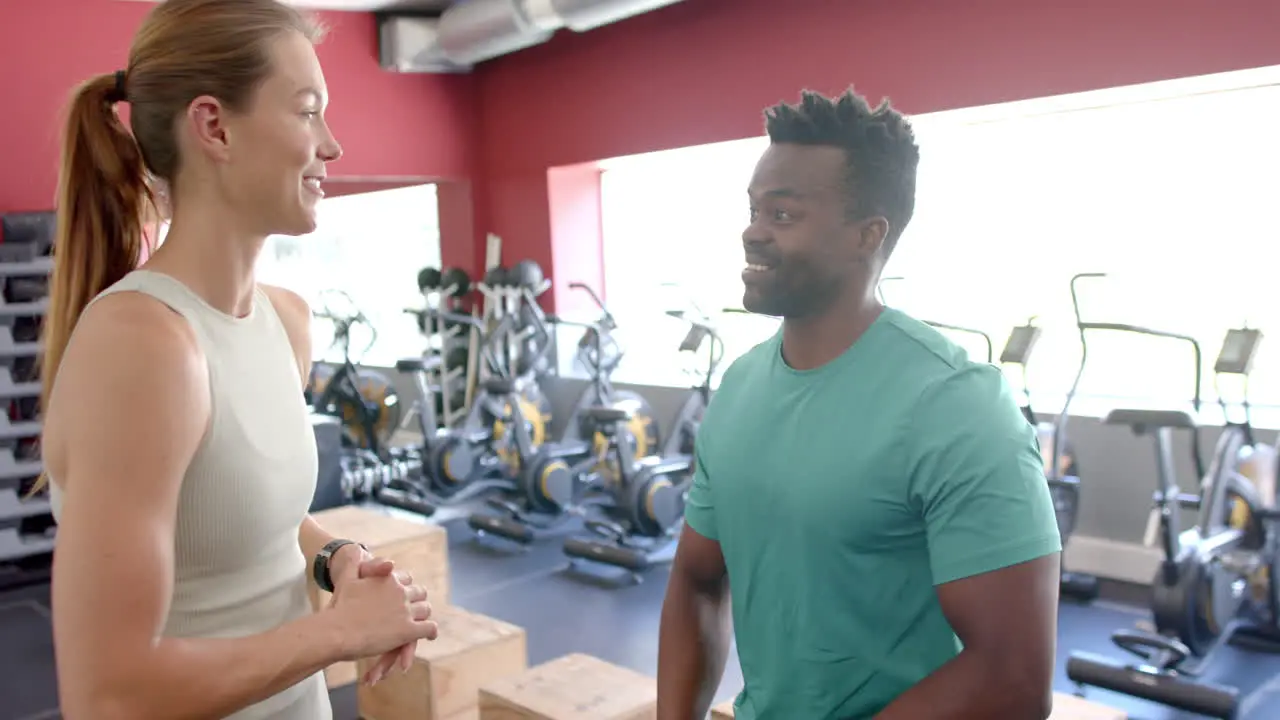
(800,246)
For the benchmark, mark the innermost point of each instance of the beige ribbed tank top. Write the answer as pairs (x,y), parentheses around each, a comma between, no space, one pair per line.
(238,569)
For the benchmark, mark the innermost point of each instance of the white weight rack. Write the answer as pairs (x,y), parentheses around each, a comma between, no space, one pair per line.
(16,511)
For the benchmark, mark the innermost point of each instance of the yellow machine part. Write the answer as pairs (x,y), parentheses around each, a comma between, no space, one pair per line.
(537,414)
(1259,465)
(642,427)
(375,388)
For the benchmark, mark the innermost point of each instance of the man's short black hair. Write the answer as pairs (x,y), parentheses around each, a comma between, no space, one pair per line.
(880,151)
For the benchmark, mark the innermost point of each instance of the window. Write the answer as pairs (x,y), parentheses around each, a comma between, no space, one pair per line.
(672,239)
(369,246)
(1168,188)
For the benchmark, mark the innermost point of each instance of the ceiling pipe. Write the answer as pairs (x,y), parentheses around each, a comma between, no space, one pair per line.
(473,31)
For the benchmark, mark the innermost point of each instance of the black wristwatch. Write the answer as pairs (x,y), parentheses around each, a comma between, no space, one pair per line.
(320,566)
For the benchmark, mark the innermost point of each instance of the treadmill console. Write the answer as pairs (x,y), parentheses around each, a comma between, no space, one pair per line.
(1238,349)
(1021,341)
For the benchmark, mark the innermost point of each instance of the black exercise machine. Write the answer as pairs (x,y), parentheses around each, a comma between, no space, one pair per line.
(1061,469)
(554,481)
(499,448)
(639,522)
(600,353)
(365,400)
(1201,595)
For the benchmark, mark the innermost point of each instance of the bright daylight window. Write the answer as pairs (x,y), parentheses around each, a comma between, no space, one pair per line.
(369,246)
(1168,187)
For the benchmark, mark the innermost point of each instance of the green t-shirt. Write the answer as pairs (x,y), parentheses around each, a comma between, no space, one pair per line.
(841,496)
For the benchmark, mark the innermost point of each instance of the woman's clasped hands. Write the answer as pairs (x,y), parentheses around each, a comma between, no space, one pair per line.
(380,612)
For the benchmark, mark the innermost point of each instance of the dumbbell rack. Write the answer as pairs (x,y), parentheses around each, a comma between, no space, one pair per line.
(446,381)
(26,524)
(506,299)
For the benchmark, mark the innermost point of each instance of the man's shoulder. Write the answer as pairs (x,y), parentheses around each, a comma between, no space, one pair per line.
(933,373)
(750,365)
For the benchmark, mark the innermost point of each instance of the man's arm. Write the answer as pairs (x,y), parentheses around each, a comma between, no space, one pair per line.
(1007,620)
(693,637)
(978,479)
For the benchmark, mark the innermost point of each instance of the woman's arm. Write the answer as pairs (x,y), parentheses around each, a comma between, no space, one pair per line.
(295,315)
(130,408)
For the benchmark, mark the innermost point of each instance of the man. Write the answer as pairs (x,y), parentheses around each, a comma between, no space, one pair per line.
(874,498)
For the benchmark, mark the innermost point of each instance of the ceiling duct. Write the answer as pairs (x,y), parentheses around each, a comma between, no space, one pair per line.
(584,15)
(473,31)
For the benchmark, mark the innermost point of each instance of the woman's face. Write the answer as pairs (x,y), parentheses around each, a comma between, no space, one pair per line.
(280,147)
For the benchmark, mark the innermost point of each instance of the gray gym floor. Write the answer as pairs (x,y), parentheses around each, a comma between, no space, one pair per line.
(615,621)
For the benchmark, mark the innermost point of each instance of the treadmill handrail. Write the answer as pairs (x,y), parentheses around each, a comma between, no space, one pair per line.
(991,348)
(1082,327)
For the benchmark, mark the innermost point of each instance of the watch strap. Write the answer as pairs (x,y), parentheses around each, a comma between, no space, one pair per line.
(320,566)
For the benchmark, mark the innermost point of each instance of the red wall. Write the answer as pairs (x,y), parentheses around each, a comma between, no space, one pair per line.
(701,71)
(696,72)
(392,126)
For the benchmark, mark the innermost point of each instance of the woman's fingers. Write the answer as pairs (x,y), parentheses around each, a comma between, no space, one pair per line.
(420,611)
(406,657)
(376,567)
(381,667)
(415,593)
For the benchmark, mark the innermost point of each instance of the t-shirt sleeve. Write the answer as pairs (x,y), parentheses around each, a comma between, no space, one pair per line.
(699,504)
(977,477)
(699,511)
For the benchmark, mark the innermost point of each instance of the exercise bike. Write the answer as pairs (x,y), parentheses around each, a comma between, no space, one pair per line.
(580,455)
(1201,595)
(600,353)
(496,449)
(364,400)
(1061,469)
(641,517)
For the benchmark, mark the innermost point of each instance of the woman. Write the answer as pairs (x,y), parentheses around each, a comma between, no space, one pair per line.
(176,440)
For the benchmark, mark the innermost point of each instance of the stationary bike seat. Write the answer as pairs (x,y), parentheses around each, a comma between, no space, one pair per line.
(418,364)
(499,386)
(1150,419)
(605,414)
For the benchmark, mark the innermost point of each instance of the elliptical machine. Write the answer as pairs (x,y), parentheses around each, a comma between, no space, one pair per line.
(581,453)
(640,520)
(1201,592)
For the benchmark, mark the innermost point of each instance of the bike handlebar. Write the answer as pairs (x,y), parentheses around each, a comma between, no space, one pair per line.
(487,338)
(342,328)
(608,316)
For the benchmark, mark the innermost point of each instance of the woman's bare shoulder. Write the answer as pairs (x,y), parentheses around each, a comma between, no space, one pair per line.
(129,359)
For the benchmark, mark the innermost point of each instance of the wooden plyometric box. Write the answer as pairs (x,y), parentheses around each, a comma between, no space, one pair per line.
(420,548)
(723,711)
(573,687)
(447,672)
(1070,707)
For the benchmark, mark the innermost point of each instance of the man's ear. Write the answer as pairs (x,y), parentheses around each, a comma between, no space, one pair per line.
(207,121)
(871,234)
